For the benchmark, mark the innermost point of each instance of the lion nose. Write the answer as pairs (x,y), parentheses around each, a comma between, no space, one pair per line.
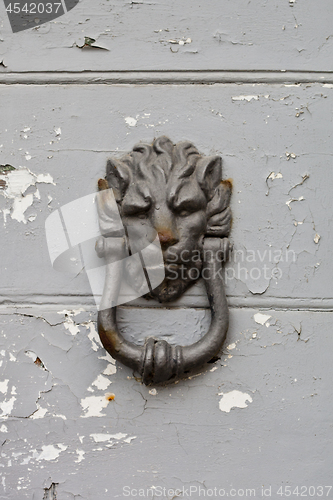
(167,238)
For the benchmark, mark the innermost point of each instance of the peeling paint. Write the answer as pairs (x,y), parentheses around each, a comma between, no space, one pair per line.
(182,41)
(16,183)
(301,198)
(233,399)
(247,98)
(111,438)
(71,326)
(4,386)
(131,122)
(110,369)
(316,238)
(50,452)
(71,312)
(93,406)
(80,457)
(273,175)
(94,337)
(261,318)
(40,413)
(7,406)
(20,206)
(101,383)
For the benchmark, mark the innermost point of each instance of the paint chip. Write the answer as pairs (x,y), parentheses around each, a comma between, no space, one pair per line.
(131,122)
(273,175)
(247,98)
(93,406)
(17,182)
(71,326)
(234,399)
(102,438)
(80,456)
(101,383)
(4,386)
(261,318)
(40,413)
(50,452)
(316,238)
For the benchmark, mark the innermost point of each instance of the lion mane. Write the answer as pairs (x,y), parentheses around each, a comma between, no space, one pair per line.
(185,174)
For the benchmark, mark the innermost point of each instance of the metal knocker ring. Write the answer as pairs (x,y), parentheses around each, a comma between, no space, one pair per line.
(173,190)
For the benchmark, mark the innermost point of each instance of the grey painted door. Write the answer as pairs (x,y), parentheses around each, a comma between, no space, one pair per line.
(253,82)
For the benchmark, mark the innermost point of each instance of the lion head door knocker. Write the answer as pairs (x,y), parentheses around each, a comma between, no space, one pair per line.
(173,202)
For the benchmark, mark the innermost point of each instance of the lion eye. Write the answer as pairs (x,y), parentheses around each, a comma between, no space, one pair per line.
(185,213)
(143,215)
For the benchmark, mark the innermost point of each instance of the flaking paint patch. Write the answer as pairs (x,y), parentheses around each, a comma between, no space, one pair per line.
(234,399)
(50,452)
(112,438)
(93,336)
(301,198)
(71,312)
(247,98)
(273,175)
(4,386)
(40,413)
(261,318)
(111,369)
(131,122)
(102,438)
(80,457)
(5,212)
(93,406)
(102,383)
(20,206)
(71,326)
(7,406)
(16,184)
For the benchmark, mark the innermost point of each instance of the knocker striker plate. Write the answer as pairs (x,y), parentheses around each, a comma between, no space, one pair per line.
(174,208)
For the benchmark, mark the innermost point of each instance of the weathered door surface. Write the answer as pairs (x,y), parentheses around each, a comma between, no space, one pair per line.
(251,81)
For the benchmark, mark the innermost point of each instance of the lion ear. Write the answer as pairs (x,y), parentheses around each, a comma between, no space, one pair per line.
(209,174)
(118,177)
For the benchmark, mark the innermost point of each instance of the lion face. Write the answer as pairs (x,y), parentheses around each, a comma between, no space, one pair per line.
(174,192)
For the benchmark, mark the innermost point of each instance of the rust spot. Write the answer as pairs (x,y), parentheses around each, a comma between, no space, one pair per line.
(103,184)
(228,183)
(2,184)
(166,237)
(110,396)
(39,362)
